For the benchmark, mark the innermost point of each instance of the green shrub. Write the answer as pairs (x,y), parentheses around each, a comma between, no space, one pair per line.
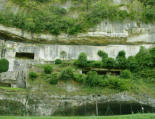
(152,52)
(58,61)
(4,65)
(92,78)
(54,78)
(115,83)
(33,75)
(67,74)
(82,60)
(147,73)
(104,57)
(80,77)
(121,61)
(96,64)
(90,63)
(110,63)
(102,54)
(126,74)
(132,64)
(48,69)
(144,58)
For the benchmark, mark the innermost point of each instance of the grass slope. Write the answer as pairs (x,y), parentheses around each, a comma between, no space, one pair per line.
(136,116)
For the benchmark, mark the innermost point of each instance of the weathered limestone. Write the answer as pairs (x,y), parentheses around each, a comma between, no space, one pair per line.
(132,31)
(17,79)
(45,105)
(43,52)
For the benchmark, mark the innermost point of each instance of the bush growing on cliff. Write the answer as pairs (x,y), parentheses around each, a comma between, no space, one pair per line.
(126,74)
(132,64)
(143,58)
(110,63)
(48,69)
(96,64)
(115,82)
(4,65)
(147,74)
(67,74)
(80,77)
(58,61)
(82,60)
(92,78)
(121,61)
(104,57)
(152,52)
(33,75)
(54,78)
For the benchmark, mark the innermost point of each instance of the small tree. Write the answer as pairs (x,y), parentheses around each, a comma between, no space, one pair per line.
(110,63)
(63,54)
(4,65)
(82,60)
(104,57)
(143,58)
(121,61)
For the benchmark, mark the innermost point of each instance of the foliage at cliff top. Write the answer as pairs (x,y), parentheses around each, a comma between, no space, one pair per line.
(72,17)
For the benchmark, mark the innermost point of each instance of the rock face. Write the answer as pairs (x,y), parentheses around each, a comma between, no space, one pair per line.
(129,30)
(43,52)
(22,55)
(15,79)
(78,105)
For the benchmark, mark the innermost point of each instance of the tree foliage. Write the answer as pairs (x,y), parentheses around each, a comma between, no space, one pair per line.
(4,65)
(82,60)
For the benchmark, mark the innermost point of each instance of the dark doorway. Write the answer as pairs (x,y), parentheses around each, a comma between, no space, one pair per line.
(24,55)
(5,84)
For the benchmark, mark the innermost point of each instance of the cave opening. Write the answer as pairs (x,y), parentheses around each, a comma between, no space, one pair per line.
(106,109)
(5,84)
(24,55)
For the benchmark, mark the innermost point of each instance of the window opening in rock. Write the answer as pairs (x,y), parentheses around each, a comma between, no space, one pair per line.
(24,55)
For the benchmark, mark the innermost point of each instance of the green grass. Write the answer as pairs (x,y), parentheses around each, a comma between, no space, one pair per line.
(136,116)
(11,89)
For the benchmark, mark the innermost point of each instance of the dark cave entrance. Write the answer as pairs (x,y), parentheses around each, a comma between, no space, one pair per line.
(105,109)
(24,55)
(5,84)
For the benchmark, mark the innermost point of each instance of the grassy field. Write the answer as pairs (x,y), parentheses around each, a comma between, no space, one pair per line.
(136,116)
